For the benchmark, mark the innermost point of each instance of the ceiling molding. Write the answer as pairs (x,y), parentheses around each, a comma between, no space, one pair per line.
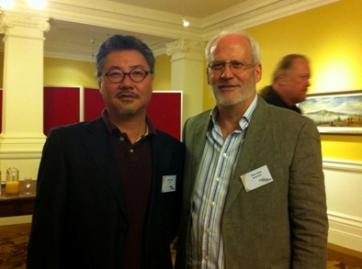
(69,56)
(245,16)
(163,27)
(124,17)
(130,18)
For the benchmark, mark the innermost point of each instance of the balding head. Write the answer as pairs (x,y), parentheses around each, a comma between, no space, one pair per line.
(254,46)
(291,78)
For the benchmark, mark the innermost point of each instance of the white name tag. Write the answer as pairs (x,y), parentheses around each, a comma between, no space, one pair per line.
(256,178)
(168,183)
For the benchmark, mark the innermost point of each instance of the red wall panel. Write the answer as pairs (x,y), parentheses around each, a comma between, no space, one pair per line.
(61,106)
(165,112)
(93,104)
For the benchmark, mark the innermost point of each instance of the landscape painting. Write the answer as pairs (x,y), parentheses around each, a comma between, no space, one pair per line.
(338,112)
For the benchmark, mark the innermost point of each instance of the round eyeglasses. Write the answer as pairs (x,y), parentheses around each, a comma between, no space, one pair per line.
(136,75)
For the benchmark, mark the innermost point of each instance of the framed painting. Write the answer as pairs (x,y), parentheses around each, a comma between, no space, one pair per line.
(335,112)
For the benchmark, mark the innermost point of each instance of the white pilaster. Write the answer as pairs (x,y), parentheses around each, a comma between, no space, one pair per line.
(22,116)
(188,73)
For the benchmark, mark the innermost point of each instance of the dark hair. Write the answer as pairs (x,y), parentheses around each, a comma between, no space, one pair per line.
(122,42)
(286,63)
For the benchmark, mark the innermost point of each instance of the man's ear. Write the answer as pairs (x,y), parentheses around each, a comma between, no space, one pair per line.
(207,75)
(282,79)
(258,72)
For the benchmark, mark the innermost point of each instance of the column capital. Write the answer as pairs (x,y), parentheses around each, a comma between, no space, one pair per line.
(185,48)
(25,24)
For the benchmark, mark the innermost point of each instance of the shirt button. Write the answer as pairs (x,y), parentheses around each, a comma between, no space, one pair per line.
(225,155)
(121,138)
(131,150)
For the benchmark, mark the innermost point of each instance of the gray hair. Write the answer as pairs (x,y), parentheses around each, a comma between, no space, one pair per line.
(255,49)
(121,42)
(286,63)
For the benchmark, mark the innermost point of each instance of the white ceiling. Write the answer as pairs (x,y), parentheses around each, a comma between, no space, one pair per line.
(77,27)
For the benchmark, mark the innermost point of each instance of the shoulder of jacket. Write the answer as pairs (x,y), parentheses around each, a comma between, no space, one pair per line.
(198,118)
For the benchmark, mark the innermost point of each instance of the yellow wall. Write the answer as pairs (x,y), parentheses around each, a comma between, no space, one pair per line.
(59,72)
(331,36)
(162,78)
(1,69)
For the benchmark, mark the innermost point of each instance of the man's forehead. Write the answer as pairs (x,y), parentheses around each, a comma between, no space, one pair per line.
(235,48)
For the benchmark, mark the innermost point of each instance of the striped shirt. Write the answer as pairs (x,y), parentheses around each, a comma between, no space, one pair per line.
(216,166)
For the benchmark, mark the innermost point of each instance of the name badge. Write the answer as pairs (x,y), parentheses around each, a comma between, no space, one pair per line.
(168,183)
(256,178)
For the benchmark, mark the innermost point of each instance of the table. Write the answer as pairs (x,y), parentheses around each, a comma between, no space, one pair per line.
(19,204)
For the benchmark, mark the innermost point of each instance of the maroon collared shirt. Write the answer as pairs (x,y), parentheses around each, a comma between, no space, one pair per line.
(135,166)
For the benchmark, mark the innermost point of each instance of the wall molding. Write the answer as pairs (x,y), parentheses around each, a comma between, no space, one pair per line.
(342,165)
(19,148)
(345,230)
(343,179)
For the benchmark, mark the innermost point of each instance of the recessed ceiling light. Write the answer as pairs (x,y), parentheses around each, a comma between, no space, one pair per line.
(185,23)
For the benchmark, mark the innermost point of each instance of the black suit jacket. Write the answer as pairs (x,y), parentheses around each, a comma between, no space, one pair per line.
(79,218)
(273,98)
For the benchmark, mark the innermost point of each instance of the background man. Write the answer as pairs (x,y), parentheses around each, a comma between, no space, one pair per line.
(253,188)
(290,82)
(109,190)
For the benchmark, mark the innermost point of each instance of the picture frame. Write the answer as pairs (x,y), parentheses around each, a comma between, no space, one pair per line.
(335,112)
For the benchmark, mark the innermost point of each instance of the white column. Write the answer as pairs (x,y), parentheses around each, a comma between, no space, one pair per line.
(22,116)
(188,73)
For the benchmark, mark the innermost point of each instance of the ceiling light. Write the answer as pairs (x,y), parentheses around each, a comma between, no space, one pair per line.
(7,4)
(38,4)
(185,23)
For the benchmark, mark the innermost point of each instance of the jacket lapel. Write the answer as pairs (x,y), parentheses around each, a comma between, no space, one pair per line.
(100,148)
(251,152)
(196,148)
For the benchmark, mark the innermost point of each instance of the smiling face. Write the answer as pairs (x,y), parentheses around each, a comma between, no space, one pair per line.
(233,85)
(125,98)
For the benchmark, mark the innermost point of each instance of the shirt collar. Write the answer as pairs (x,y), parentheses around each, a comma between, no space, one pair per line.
(245,119)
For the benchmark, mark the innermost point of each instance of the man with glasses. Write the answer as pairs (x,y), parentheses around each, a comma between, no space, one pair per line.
(109,190)
(254,193)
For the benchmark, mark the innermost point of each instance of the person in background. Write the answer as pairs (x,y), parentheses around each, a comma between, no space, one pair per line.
(290,82)
(254,193)
(109,190)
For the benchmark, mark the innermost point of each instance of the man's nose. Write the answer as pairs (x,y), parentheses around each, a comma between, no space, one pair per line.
(127,79)
(227,72)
